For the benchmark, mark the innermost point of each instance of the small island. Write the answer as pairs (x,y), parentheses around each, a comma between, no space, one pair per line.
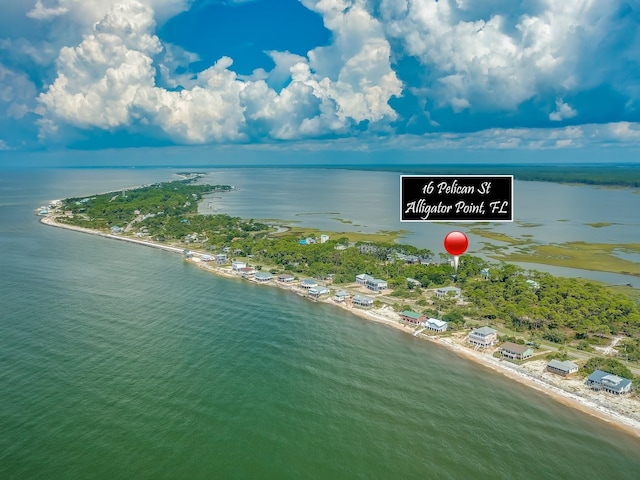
(571,338)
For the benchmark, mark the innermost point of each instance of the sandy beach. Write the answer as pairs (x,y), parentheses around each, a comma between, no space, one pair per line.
(622,412)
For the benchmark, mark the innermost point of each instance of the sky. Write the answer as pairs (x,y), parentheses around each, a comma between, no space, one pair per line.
(542,79)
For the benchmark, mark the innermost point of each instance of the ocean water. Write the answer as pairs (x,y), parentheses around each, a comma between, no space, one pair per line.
(119,361)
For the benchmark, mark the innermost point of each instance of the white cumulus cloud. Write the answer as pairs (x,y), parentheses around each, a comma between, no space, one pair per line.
(563,111)
(40,12)
(496,59)
(108,82)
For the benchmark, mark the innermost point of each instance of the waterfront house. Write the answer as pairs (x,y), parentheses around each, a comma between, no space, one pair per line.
(341,296)
(448,291)
(206,258)
(286,278)
(247,272)
(515,351)
(562,368)
(608,382)
(362,301)
(483,337)
(413,318)
(317,292)
(116,229)
(236,265)
(221,258)
(308,283)
(324,238)
(435,325)
(263,276)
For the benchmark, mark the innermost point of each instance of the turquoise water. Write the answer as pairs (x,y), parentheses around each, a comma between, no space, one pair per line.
(121,361)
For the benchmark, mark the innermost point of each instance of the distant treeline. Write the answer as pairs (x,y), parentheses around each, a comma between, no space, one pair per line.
(596,174)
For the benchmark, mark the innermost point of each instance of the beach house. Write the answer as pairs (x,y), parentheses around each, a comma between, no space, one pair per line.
(286,278)
(515,351)
(562,368)
(362,301)
(341,296)
(608,382)
(237,265)
(308,283)
(317,292)
(263,276)
(435,325)
(247,272)
(412,318)
(483,337)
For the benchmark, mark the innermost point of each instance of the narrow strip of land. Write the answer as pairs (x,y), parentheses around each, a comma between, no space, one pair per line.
(621,412)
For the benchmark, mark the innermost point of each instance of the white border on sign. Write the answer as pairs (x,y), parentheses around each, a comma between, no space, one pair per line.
(513,213)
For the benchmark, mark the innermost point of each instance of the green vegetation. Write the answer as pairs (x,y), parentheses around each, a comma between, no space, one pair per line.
(564,311)
(384,236)
(621,176)
(610,365)
(630,349)
(558,309)
(586,256)
(172,199)
(600,224)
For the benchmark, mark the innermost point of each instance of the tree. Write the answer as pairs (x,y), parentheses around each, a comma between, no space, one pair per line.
(609,365)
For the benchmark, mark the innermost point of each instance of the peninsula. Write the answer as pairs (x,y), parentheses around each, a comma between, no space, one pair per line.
(527,318)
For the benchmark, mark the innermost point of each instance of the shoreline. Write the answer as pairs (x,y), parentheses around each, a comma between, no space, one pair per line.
(590,406)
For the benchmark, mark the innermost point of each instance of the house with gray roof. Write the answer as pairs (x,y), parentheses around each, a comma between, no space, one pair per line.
(562,368)
(362,301)
(483,337)
(308,283)
(317,292)
(263,276)
(448,291)
(341,296)
(435,325)
(608,382)
(376,284)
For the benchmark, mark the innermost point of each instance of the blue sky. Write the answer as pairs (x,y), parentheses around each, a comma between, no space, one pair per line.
(421,77)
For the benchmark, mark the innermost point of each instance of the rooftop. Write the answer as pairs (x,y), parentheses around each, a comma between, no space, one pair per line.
(609,378)
(566,365)
(484,331)
(436,322)
(515,347)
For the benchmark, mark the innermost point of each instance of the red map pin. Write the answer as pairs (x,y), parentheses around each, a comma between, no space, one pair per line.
(456,244)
